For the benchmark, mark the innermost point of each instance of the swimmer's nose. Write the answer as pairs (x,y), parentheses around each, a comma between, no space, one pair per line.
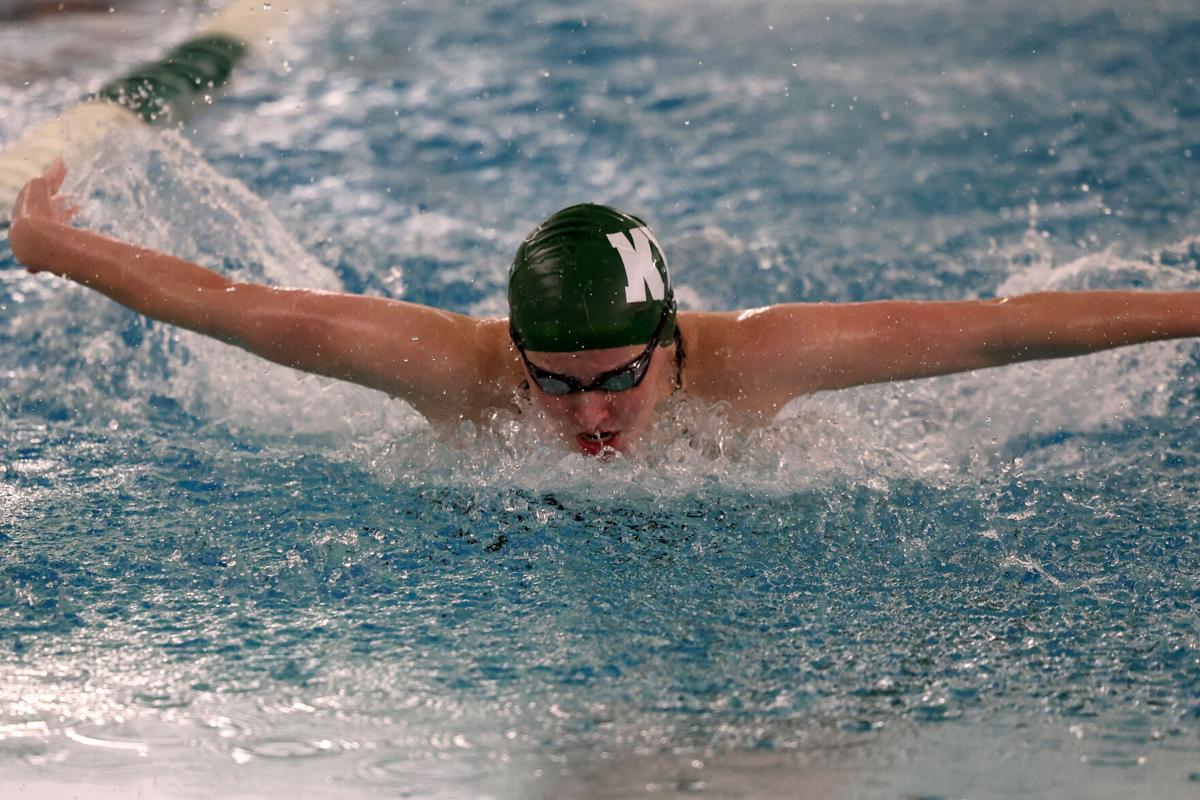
(590,410)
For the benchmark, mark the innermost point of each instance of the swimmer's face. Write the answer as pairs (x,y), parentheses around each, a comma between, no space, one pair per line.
(594,420)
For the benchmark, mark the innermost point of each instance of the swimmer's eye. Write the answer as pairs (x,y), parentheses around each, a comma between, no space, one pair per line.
(620,379)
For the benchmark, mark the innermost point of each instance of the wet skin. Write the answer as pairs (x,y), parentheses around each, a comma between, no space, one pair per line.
(452,367)
(597,421)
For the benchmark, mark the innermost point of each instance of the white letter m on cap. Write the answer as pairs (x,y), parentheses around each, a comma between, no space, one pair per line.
(640,272)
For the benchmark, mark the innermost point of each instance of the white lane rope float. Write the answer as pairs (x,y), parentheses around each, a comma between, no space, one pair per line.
(159,93)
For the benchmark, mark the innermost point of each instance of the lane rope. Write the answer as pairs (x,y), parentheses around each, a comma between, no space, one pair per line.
(159,93)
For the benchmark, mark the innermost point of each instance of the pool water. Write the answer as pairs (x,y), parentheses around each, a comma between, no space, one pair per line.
(220,577)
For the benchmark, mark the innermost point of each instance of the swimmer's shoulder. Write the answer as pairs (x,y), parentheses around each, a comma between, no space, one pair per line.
(716,337)
(711,344)
(497,364)
(736,356)
(752,335)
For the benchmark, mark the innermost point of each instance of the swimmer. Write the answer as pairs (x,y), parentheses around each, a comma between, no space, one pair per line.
(593,339)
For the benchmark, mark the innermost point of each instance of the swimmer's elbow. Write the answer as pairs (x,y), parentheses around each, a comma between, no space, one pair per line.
(260,319)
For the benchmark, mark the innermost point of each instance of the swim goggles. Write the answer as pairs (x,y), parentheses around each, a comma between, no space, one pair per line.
(620,379)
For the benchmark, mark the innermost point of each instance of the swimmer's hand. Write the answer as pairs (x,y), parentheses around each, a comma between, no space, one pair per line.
(450,367)
(37,204)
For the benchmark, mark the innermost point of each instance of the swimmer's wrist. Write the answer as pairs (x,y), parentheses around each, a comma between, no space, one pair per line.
(28,243)
(42,245)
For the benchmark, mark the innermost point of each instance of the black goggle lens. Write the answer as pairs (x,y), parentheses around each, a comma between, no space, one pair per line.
(619,380)
(551,385)
(622,382)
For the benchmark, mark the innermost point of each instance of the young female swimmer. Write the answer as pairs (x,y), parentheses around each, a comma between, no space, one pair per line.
(593,338)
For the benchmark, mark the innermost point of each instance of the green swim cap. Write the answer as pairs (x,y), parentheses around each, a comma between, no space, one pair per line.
(589,277)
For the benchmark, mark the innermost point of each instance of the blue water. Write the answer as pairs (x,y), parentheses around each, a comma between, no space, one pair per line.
(220,577)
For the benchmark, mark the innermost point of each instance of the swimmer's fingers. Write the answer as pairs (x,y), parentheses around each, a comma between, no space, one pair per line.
(33,200)
(64,208)
(38,198)
(55,175)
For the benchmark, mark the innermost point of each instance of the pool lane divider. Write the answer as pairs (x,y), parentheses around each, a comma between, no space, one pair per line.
(160,93)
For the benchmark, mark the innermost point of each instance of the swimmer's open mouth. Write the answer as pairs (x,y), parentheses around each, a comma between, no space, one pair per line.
(594,443)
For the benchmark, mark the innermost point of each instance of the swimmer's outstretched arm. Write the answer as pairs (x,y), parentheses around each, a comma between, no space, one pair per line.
(780,352)
(442,363)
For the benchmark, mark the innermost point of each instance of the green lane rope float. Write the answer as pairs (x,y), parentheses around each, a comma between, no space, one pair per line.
(160,93)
